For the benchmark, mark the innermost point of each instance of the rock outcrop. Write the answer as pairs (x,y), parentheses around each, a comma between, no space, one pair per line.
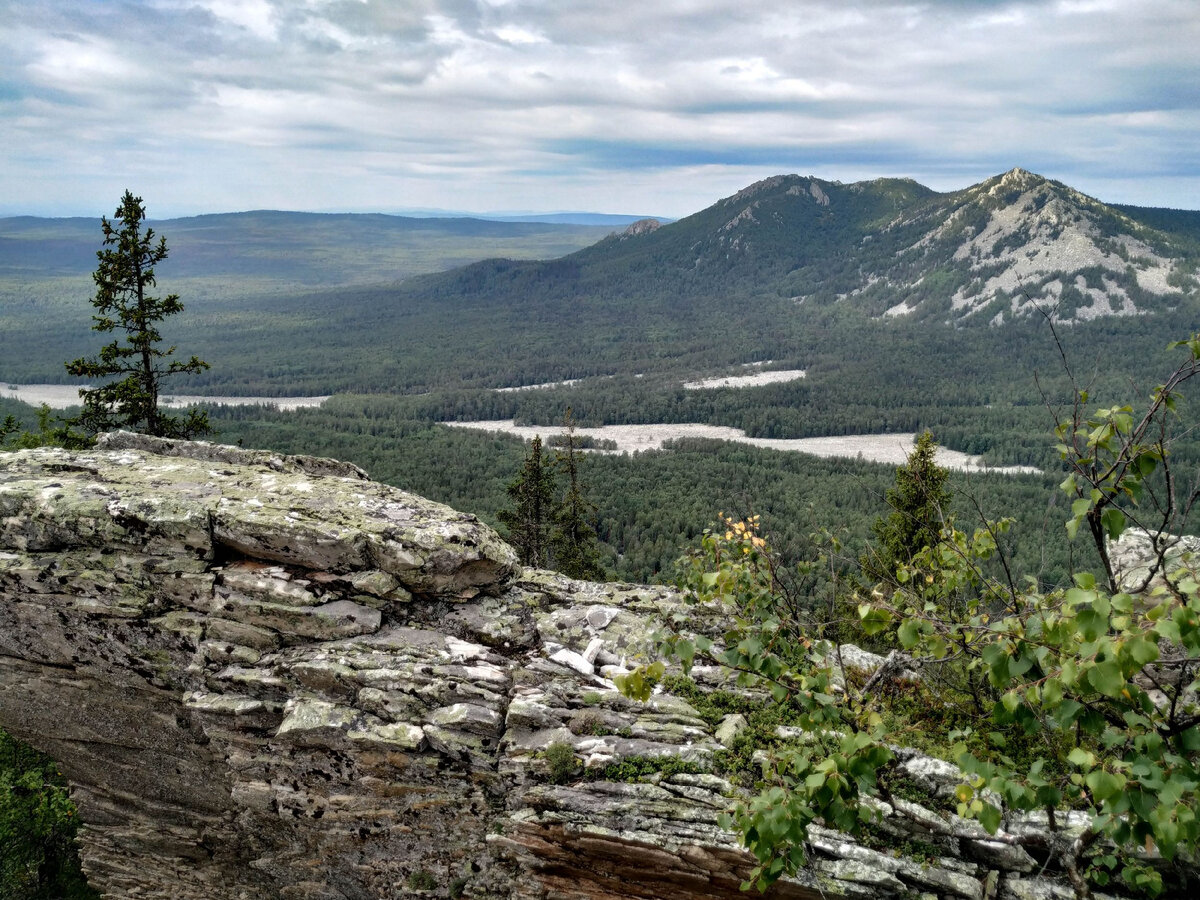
(269,677)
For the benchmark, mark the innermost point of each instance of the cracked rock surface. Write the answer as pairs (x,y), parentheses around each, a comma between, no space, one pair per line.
(269,677)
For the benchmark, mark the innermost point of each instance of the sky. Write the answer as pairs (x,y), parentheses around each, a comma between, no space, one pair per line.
(655,107)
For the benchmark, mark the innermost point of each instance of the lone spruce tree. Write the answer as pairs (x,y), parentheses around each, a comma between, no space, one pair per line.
(919,501)
(576,552)
(530,519)
(124,278)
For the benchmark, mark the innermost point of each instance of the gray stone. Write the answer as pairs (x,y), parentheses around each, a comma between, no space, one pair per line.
(858,872)
(995,855)
(267,677)
(731,726)
(573,660)
(468,717)
(599,617)
(1034,889)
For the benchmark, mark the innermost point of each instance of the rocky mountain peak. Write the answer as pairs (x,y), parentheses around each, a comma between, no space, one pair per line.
(1016,178)
(640,227)
(1019,242)
(762,186)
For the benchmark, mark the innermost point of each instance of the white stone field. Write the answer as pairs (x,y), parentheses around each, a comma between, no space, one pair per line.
(892,449)
(743,381)
(61,396)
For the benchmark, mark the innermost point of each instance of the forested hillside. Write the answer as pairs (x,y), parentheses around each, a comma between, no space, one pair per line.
(907,309)
(243,276)
(281,304)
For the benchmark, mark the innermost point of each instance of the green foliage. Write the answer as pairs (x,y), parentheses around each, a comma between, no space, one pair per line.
(123,278)
(919,502)
(14,437)
(732,582)
(639,684)
(549,529)
(421,880)
(642,768)
(9,427)
(38,858)
(1076,699)
(561,762)
(573,542)
(530,519)
(1115,465)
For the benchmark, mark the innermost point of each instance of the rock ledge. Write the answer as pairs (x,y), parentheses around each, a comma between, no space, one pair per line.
(269,677)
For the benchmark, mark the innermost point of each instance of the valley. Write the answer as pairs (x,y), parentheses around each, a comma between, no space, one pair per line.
(795,315)
(771,359)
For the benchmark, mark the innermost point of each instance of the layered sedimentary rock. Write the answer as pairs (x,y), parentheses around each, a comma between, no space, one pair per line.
(269,677)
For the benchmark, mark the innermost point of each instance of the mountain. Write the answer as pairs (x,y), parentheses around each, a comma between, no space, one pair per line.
(239,275)
(608,220)
(302,303)
(296,247)
(1019,241)
(892,247)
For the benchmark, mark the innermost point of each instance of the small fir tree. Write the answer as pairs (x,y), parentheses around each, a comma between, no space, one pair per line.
(530,520)
(574,544)
(918,501)
(138,364)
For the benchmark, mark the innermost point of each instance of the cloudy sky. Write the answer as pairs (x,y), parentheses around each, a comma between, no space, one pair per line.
(632,106)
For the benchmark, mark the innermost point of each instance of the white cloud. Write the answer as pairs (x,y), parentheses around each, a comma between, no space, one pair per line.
(340,103)
(512,34)
(256,16)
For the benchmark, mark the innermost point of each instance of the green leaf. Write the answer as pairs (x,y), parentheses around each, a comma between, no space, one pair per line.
(1068,712)
(1106,678)
(995,657)
(1081,758)
(1104,785)
(874,620)
(1085,581)
(1141,650)
(686,651)
(989,818)
(1077,597)
(1145,464)
(1113,521)
(1052,692)
(1090,623)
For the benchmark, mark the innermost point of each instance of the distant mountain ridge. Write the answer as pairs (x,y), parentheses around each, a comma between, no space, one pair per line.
(889,247)
(317,303)
(895,248)
(296,247)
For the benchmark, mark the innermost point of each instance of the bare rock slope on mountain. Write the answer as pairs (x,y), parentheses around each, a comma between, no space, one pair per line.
(269,677)
(1006,247)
